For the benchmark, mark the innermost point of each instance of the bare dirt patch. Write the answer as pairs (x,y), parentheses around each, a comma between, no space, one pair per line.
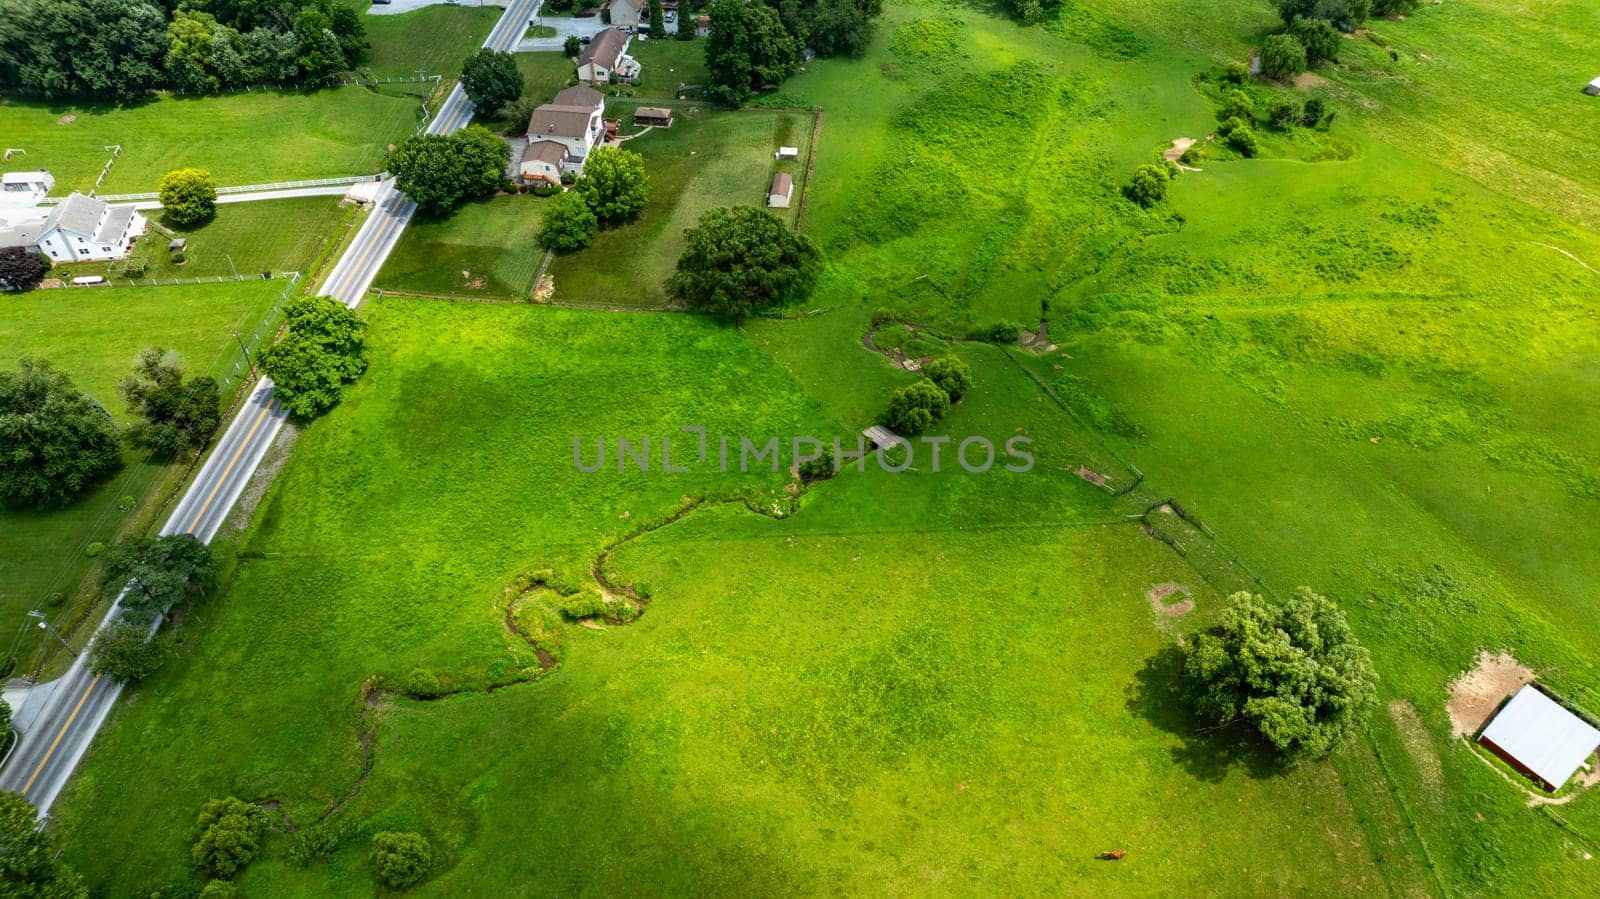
(1175,609)
(1476,694)
(67,119)
(1175,152)
(1419,746)
(1093,477)
(1308,81)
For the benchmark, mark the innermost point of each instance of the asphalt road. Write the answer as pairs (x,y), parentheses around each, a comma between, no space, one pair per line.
(59,719)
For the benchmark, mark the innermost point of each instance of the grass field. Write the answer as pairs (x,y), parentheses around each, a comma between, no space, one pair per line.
(1366,361)
(95,335)
(705,159)
(434,39)
(250,138)
(489,248)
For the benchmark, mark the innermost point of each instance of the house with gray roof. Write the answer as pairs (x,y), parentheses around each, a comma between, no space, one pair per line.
(606,57)
(574,120)
(82,229)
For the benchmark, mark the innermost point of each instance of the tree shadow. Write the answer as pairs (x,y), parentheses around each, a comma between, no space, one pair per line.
(1207,752)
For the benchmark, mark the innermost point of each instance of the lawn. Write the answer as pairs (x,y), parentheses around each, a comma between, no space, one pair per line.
(433,39)
(706,159)
(95,335)
(241,138)
(799,690)
(488,249)
(246,238)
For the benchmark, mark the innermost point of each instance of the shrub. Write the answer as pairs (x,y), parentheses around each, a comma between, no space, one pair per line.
(1290,668)
(21,268)
(572,46)
(219,889)
(318,841)
(1243,139)
(230,836)
(1235,105)
(5,724)
(913,409)
(1320,39)
(188,196)
(134,270)
(122,653)
(952,375)
(400,859)
(811,471)
(583,604)
(569,223)
(423,683)
(1193,156)
(1000,332)
(94,549)
(1285,112)
(1282,56)
(1148,186)
(1311,116)
(1236,73)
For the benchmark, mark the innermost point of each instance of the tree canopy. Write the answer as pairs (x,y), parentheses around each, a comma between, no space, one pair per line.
(188,196)
(55,442)
(491,80)
(160,572)
(915,407)
(440,172)
(21,268)
(747,49)
(122,49)
(400,859)
(230,836)
(323,348)
(569,223)
(28,865)
(1292,669)
(176,415)
(122,652)
(1282,56)
(1320,39)
(614,184)
(951,374)
(739,259)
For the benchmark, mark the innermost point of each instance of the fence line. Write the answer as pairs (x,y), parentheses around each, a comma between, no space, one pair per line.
(242,188)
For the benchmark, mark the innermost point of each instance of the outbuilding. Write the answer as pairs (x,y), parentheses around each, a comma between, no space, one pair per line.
(1541,738)
(1593,89)
(782,190)
(788,153)
(653,115)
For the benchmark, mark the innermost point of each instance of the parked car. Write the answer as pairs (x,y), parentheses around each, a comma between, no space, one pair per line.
(586,39)
(670,17)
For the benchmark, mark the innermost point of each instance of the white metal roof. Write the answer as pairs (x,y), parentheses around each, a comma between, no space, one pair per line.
(1542,736)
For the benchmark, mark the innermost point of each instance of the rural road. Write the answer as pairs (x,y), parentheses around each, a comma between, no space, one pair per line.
(59,719)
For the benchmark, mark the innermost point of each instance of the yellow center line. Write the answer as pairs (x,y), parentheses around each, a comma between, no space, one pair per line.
(62,733)
(221,479)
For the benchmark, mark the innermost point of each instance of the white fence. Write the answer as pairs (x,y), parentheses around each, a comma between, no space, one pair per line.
(240,189)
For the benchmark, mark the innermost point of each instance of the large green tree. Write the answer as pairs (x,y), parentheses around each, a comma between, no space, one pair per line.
(124,652)
(188,196)
(441,172)
(915,407)
(203,55)
(748,48)
(491,80)
(614,184)
(1290,668)
(569,223)
(740,259)
(28,866)
(323,348)
(159,572)
(1320,39)
(230,836)
(54,441)
(175,414)
(1282,56)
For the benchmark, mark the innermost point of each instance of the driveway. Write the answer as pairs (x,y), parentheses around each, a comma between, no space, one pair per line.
(564,26)
(396,7)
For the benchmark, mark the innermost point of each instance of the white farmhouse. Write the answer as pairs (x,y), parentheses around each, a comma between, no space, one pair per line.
(574,122)
(607,55)
(83,228)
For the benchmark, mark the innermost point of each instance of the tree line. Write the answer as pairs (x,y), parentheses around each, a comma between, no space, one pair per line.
(124,49)
(755,46)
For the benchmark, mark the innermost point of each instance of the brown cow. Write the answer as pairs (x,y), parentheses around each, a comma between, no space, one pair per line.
(1112,856)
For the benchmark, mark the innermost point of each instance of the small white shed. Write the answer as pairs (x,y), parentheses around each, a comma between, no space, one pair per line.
(788,153)
(781,192)
(1593,89)
(1539,737)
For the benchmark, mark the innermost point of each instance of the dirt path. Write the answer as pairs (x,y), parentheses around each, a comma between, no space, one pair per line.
(1476,694)
(1175,152)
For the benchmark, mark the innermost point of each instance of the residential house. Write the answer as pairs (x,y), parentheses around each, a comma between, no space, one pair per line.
(627,12)
(575,121)
(606,57)
(781,191)
(653,115)
(80,229)
(541,162)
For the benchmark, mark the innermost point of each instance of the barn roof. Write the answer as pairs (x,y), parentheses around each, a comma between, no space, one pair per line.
(1542,736)
(782,184)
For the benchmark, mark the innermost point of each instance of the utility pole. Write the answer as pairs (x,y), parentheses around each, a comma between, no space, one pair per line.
(247,362)
(44,625)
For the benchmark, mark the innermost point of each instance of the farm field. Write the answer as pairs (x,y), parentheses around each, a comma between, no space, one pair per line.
(95,335)
(433,39)
(1366,360)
